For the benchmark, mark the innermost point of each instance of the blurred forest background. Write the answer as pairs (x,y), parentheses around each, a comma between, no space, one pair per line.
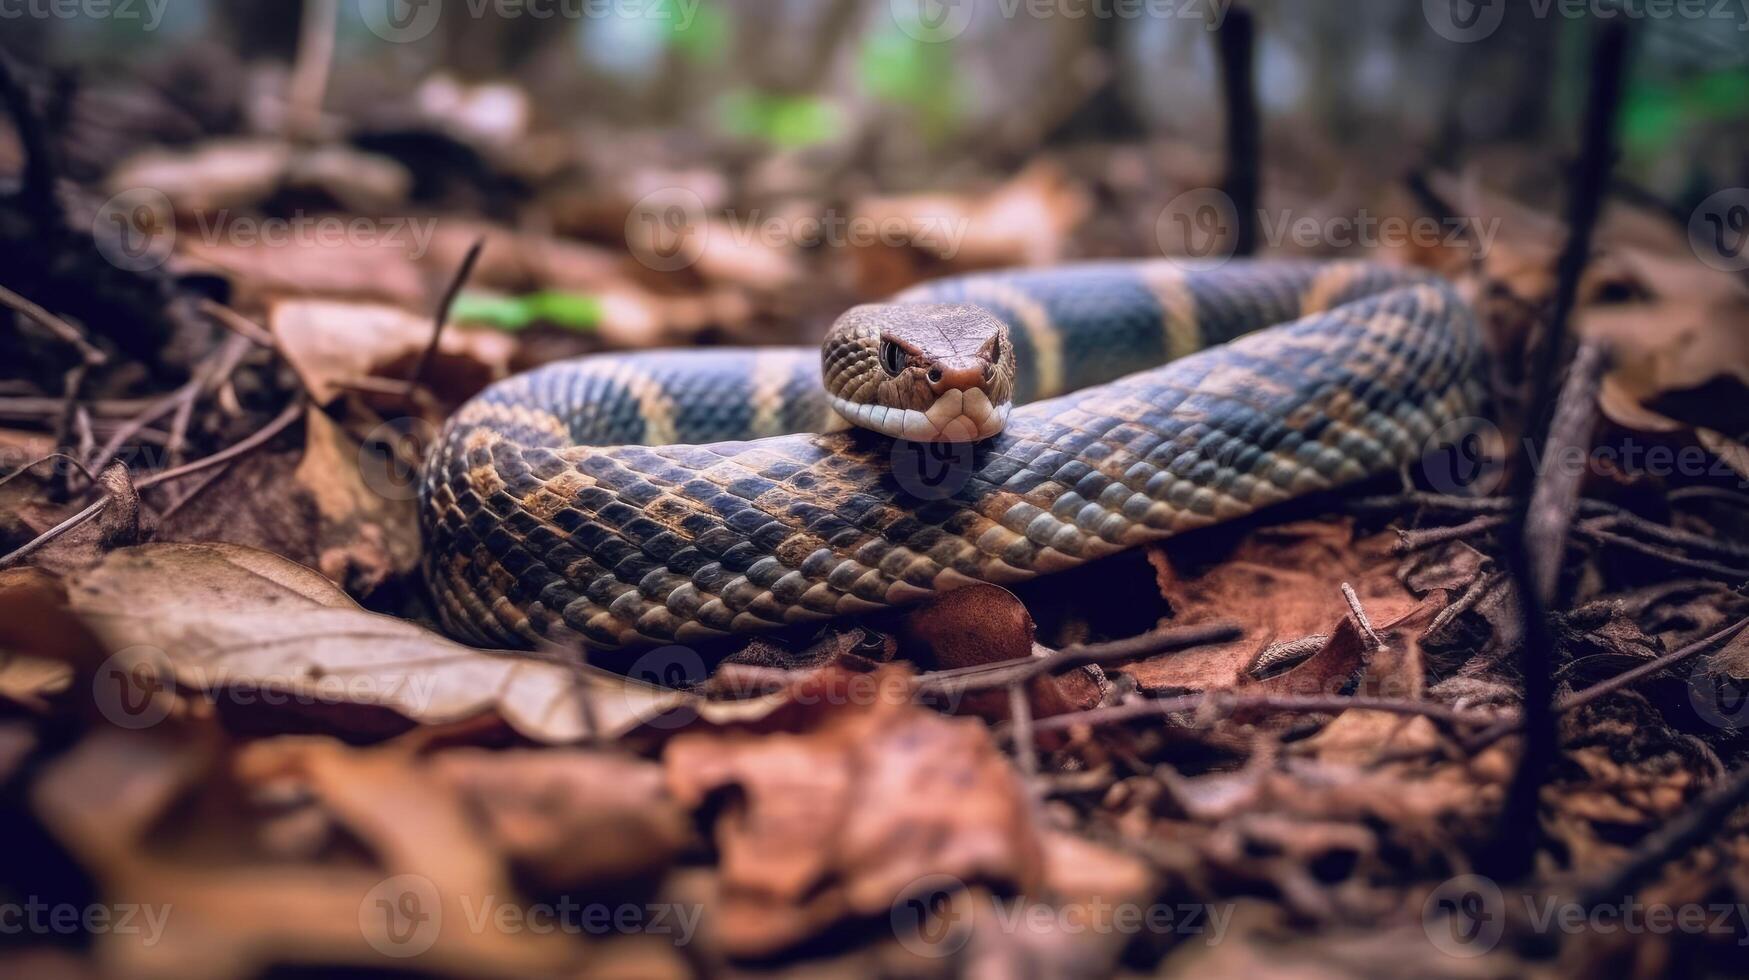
(658,81)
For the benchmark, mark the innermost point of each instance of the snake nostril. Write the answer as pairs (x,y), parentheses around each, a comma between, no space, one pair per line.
(935,375)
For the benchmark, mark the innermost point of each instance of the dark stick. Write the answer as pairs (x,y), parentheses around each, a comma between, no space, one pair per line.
(1517,834)
(1236,43)
(1549,515)
(1671,841)
(442,315)
(38,191)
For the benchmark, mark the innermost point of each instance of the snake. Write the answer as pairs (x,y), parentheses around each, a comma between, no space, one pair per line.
(673,497)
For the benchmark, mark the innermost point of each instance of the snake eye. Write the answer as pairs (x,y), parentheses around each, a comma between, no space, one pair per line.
(892,357)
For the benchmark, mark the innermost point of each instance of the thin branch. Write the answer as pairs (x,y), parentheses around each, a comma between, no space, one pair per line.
(1517,832)
(238,324)
(441,319)
(1315,704)
(1549,515)
(315,60)
(8,478)
(36,544)
(293,411)
(983,677)
(62,330)
(1680,835)
(1236,41)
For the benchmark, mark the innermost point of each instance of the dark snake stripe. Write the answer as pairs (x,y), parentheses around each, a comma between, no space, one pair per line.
(531,536)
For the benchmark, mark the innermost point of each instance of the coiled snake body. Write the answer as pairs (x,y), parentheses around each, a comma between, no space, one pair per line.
(603,501)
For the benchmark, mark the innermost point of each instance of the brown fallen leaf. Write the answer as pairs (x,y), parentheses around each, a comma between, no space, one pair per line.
(265,636)
(367,528)
(210,907)
(571,819)
(841,816)
(1283,583)
(329,343)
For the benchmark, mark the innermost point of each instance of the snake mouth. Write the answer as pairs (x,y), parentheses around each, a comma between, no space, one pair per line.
(954,416)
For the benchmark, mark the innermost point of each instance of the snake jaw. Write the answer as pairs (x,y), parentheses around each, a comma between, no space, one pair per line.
(957,416)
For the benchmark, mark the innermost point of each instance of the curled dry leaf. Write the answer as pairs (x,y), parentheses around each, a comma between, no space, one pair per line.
(218,619)
(843,814)
(40,644)
(330,343)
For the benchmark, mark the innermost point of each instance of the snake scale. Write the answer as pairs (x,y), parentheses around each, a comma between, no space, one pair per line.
(659,497)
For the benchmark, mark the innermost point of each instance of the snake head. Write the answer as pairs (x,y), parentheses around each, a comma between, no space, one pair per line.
(926,372)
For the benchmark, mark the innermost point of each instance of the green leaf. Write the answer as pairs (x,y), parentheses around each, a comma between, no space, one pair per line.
(573,311)
(788,121)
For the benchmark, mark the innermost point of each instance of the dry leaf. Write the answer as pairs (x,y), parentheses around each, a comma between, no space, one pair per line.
(329,343)
(844,814)
(220,618)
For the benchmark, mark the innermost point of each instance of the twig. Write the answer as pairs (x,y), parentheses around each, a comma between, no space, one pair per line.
(982,677)
(1556,495)
(1419,540)
(195,491)
(1517,832)
(1675,838)
(237,323)
(38,190)
(1020,717)
(441,318)
(62,330)
(293,411)
(1305,703)
(8,478)
(31,547)
(1367,633)
(1579,699)
(1236,41)
(315,59)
